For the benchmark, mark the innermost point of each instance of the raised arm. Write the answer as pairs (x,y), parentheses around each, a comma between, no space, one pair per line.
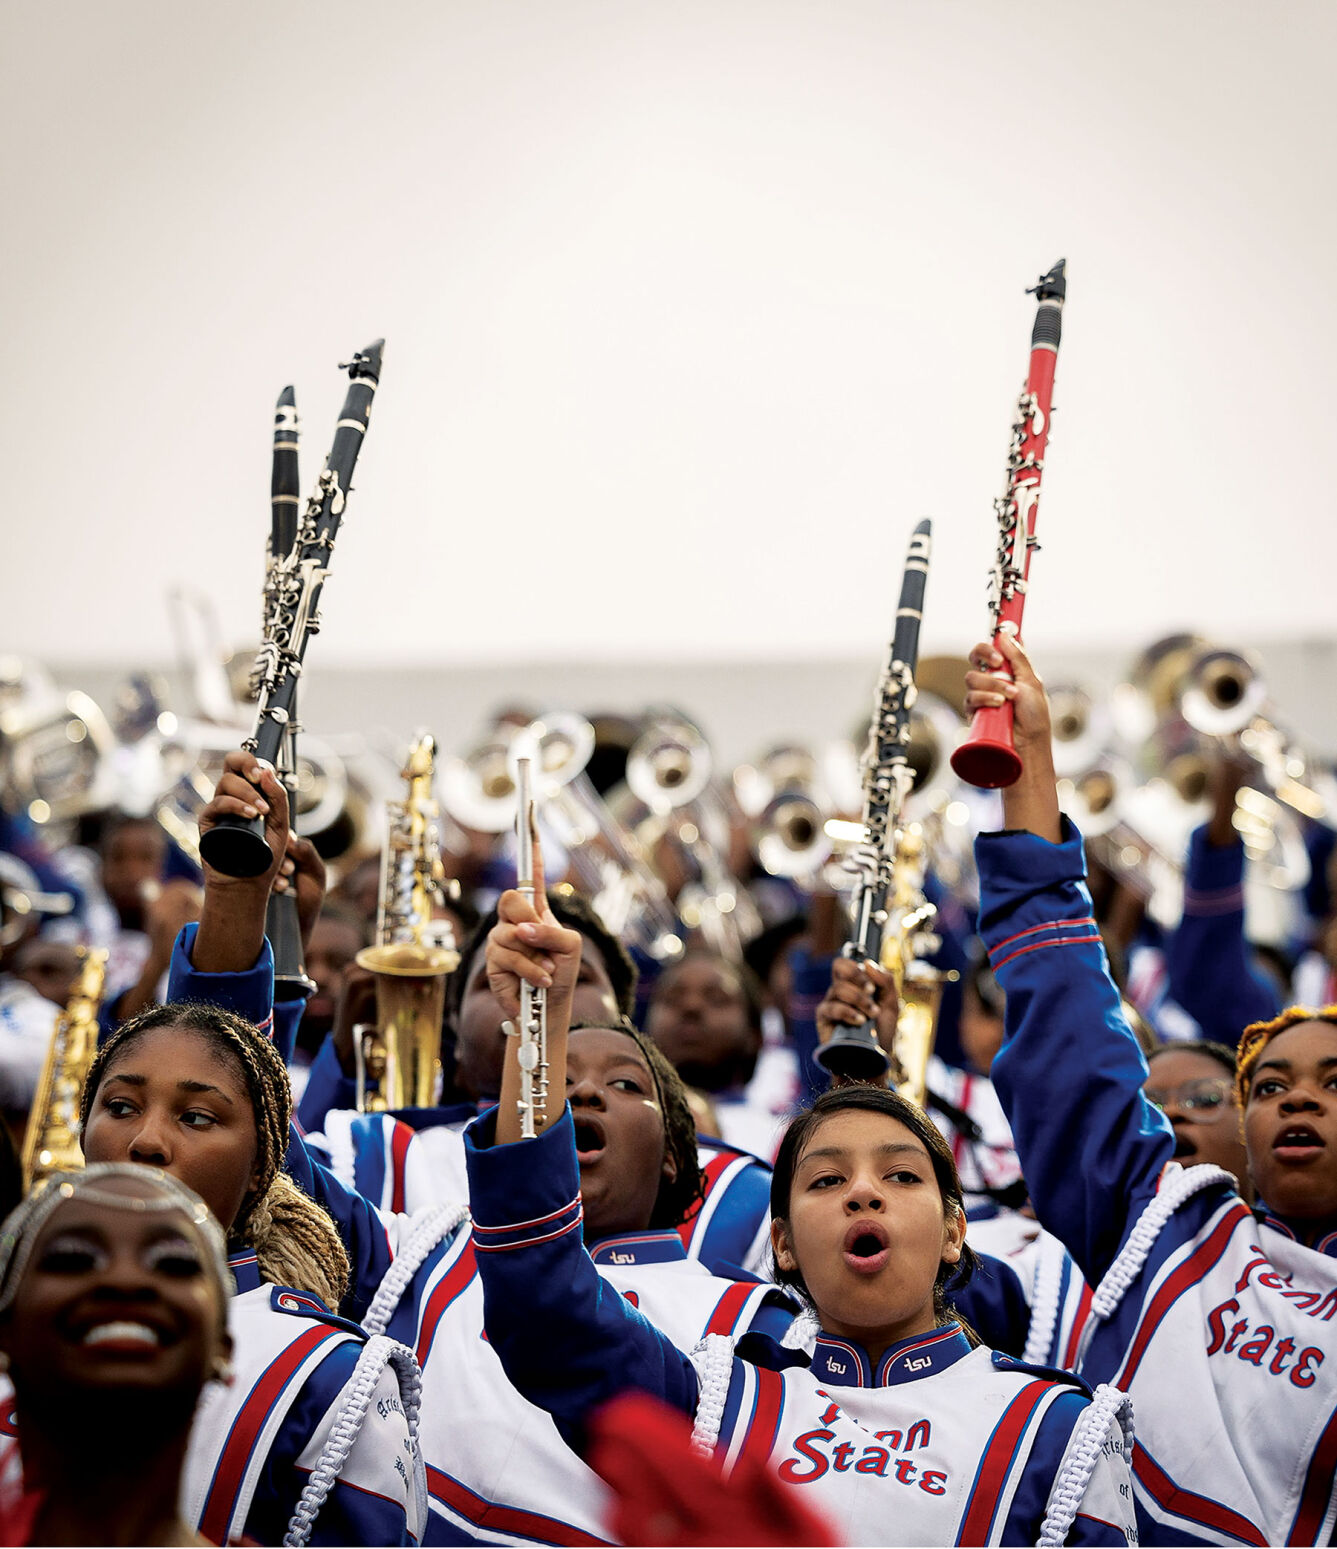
(1211,976)
(567,1339)
(1070,1072)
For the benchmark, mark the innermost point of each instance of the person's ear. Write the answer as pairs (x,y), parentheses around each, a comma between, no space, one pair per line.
(953,1237)
(780,1245)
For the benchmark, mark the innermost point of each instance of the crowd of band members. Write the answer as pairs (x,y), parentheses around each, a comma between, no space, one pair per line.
(1113,1048)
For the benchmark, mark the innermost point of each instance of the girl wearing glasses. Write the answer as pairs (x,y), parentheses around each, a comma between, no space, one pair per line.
(1214,1317)
(1193,1084)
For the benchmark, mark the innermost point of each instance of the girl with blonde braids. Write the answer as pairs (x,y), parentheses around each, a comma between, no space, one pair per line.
(202,1094)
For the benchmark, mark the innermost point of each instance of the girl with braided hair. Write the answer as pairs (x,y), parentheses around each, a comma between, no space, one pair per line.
(314,1440)
(1216,1318)
(414,1274)
(898,1427)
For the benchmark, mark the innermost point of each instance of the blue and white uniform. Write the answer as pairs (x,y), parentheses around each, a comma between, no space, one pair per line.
(264,1458)
(1216,1322)
(939,1444)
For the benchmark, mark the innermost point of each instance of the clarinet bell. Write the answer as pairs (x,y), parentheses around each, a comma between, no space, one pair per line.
(236,846)
(854,1053)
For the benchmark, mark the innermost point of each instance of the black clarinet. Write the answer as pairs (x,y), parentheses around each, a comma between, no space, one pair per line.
(855,1052)
(235,845)
(282,923)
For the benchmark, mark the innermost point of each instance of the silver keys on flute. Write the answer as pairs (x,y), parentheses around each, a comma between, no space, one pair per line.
(533,1050)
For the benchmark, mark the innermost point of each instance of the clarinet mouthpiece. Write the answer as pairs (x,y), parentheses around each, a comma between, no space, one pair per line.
(366,363)
(1052,286)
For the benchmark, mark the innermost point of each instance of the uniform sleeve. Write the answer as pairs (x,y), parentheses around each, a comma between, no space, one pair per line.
(993,1301)
(731,1230)
(250,993)
(287,1016)
(327,1088)
(1105,1511)
(379,1494)
(567,1339)
(810,977)
(1070,1072)
(1211,976)
(369,1236)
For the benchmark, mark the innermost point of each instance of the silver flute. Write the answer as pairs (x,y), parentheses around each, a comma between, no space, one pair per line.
(533,1051)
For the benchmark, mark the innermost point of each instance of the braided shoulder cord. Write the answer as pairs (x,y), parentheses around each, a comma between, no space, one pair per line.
(378,1353)
(1174,1191)
(713,1359)
(802,1332)
(1080,1459)
(1048,1278)
(436,1225)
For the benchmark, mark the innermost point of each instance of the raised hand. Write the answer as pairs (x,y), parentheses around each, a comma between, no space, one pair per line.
(1031,803)
(858,993)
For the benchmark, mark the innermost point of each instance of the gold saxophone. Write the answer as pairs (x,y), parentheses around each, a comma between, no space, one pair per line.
(51,1142)
(908,936)
(398,1061)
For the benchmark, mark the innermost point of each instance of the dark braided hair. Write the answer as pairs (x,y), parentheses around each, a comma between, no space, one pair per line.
(295,1241)
(678,1196)
(877,1099)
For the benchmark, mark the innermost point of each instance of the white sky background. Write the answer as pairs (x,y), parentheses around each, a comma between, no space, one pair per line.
(692,309)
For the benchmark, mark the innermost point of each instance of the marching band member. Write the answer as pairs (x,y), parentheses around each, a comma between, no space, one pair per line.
(904,1429)
(415,1278)
(316,1423)
(113,1319)
(414,1159)
(1212,1316)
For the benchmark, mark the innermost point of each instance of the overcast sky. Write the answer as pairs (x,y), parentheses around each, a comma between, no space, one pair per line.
(693,308)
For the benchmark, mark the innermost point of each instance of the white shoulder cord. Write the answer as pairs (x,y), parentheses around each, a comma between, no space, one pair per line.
(1175,1189)
(802,1332)
(378,1353)
(713,1359)
(436,1225)
(339,1138)
(1048,1277)
(1079,1463)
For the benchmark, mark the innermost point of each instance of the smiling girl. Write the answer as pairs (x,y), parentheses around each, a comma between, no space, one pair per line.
(1213,1316)
(113,1318)
(203,1095)
(904,1431)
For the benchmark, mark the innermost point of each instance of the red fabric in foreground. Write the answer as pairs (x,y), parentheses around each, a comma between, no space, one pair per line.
(665,1494)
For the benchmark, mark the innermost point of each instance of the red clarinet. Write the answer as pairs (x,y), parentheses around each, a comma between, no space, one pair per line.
(988,758)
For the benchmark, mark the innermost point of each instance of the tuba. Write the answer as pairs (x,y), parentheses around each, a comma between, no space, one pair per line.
(398,1061)
(51,1143)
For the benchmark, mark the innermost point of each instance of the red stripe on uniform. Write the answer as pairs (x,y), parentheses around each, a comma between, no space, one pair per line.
(503,1519)
(400,1137)
(996,1464)
(766,1411)
(1184,1503)
(711,1173)
(231,1469)
(1317,1490)
(728,1308)
(1032,930)
(460,1273)
(1063,941)
(1078,1324)
(1189,1272)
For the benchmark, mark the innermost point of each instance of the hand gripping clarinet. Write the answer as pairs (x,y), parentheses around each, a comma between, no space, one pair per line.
(533,1030)
(282,924)
(988,757)
(856,1053)
(235,845)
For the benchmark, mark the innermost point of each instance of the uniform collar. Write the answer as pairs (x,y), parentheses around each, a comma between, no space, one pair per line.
(1322,1241)
(638,1248)
(245,1269)
(845,1364)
